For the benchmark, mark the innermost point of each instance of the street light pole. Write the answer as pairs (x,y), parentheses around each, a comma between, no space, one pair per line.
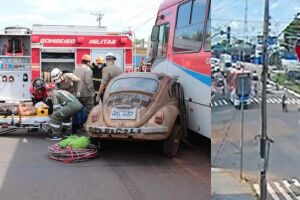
(242,129)
(264,146)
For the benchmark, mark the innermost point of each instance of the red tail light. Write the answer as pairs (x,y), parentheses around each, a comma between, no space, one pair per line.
(159,118)
(94,116)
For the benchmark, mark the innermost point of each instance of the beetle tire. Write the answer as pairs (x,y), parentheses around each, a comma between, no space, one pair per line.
(171,145)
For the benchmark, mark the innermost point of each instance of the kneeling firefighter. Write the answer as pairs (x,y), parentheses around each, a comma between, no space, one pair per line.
(65,105)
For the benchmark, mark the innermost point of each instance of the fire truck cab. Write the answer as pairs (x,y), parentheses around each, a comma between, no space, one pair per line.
(15,64)
(63,46)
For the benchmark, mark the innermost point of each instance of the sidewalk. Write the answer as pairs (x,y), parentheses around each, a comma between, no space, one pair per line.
(227,186)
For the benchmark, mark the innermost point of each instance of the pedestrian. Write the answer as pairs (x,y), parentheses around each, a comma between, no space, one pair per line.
(39,92)
(85,87)
(65,105)
(284,103)
(108,73)
(65,81)
(97,75)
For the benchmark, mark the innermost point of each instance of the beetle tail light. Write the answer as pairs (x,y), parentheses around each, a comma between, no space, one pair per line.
(159,118)
(94,116)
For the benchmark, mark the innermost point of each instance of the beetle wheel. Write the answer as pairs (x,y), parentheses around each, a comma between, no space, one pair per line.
(171,145)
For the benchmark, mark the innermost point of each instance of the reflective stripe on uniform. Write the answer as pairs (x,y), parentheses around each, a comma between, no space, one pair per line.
(66,123)
(97,79)
(56,106)
(54,125)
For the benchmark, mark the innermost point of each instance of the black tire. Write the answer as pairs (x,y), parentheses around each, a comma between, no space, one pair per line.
(171,145)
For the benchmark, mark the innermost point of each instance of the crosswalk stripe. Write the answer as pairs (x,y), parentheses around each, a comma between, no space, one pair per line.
(268,101)
(215,103)
(255,99)
(251,100)
(296,182)
(225,102)
(288,187)
(272,192)
(271,101)
(294,101)
(220,103)
(257,189)
(277,100)
(282,191)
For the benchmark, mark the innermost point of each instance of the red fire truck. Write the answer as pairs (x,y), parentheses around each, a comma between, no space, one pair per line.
(62,46)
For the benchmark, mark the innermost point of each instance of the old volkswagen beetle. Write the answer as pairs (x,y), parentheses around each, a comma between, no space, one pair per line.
(139,106)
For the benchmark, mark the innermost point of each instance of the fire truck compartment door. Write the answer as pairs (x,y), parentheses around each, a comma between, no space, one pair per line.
(119,54)
(14,85)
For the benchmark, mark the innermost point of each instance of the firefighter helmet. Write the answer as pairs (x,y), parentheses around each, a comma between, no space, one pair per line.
(39,84)
(86,57)
(100,60)
(55,75)
(110,56)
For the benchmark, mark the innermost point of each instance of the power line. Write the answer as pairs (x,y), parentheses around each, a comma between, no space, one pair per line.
(145,22)
(142,12)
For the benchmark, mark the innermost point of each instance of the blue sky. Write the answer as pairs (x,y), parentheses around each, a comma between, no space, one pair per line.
(119,15)
(231,12)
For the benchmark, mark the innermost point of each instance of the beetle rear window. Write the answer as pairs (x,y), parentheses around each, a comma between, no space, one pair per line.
(135,84)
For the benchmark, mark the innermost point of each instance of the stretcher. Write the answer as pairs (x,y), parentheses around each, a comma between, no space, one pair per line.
(13,117)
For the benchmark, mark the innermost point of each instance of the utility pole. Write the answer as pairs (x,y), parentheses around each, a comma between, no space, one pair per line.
(264,141)
(246,21)
(99,16)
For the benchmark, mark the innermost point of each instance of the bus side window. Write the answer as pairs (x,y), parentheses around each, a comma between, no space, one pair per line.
(163,40)
(207,45)
(189,26)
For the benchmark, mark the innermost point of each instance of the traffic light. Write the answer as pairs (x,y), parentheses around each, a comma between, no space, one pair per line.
(228,34)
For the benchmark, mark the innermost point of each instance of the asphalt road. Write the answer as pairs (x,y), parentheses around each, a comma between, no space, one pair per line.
(283,128)
(125,171)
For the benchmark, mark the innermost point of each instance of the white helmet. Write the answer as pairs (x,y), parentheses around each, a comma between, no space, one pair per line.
(55,73)
(109,56)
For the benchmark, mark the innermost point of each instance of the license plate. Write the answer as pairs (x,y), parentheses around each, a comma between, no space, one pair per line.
(123,113)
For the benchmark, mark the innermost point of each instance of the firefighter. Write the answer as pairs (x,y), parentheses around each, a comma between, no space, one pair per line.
(97,74)
(108,73)
(40,92)
(65,105)
(65,81)
(85,87)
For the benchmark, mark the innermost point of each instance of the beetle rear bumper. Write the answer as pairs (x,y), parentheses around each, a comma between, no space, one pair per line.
(142,133)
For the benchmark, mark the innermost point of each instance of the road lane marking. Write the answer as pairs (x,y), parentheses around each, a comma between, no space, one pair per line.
(296,182)
(255,99)
(225,102)
(282,191)
(272,192)
(257,189)
(277,100)
(271,101)
(220,103)
(288,187)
